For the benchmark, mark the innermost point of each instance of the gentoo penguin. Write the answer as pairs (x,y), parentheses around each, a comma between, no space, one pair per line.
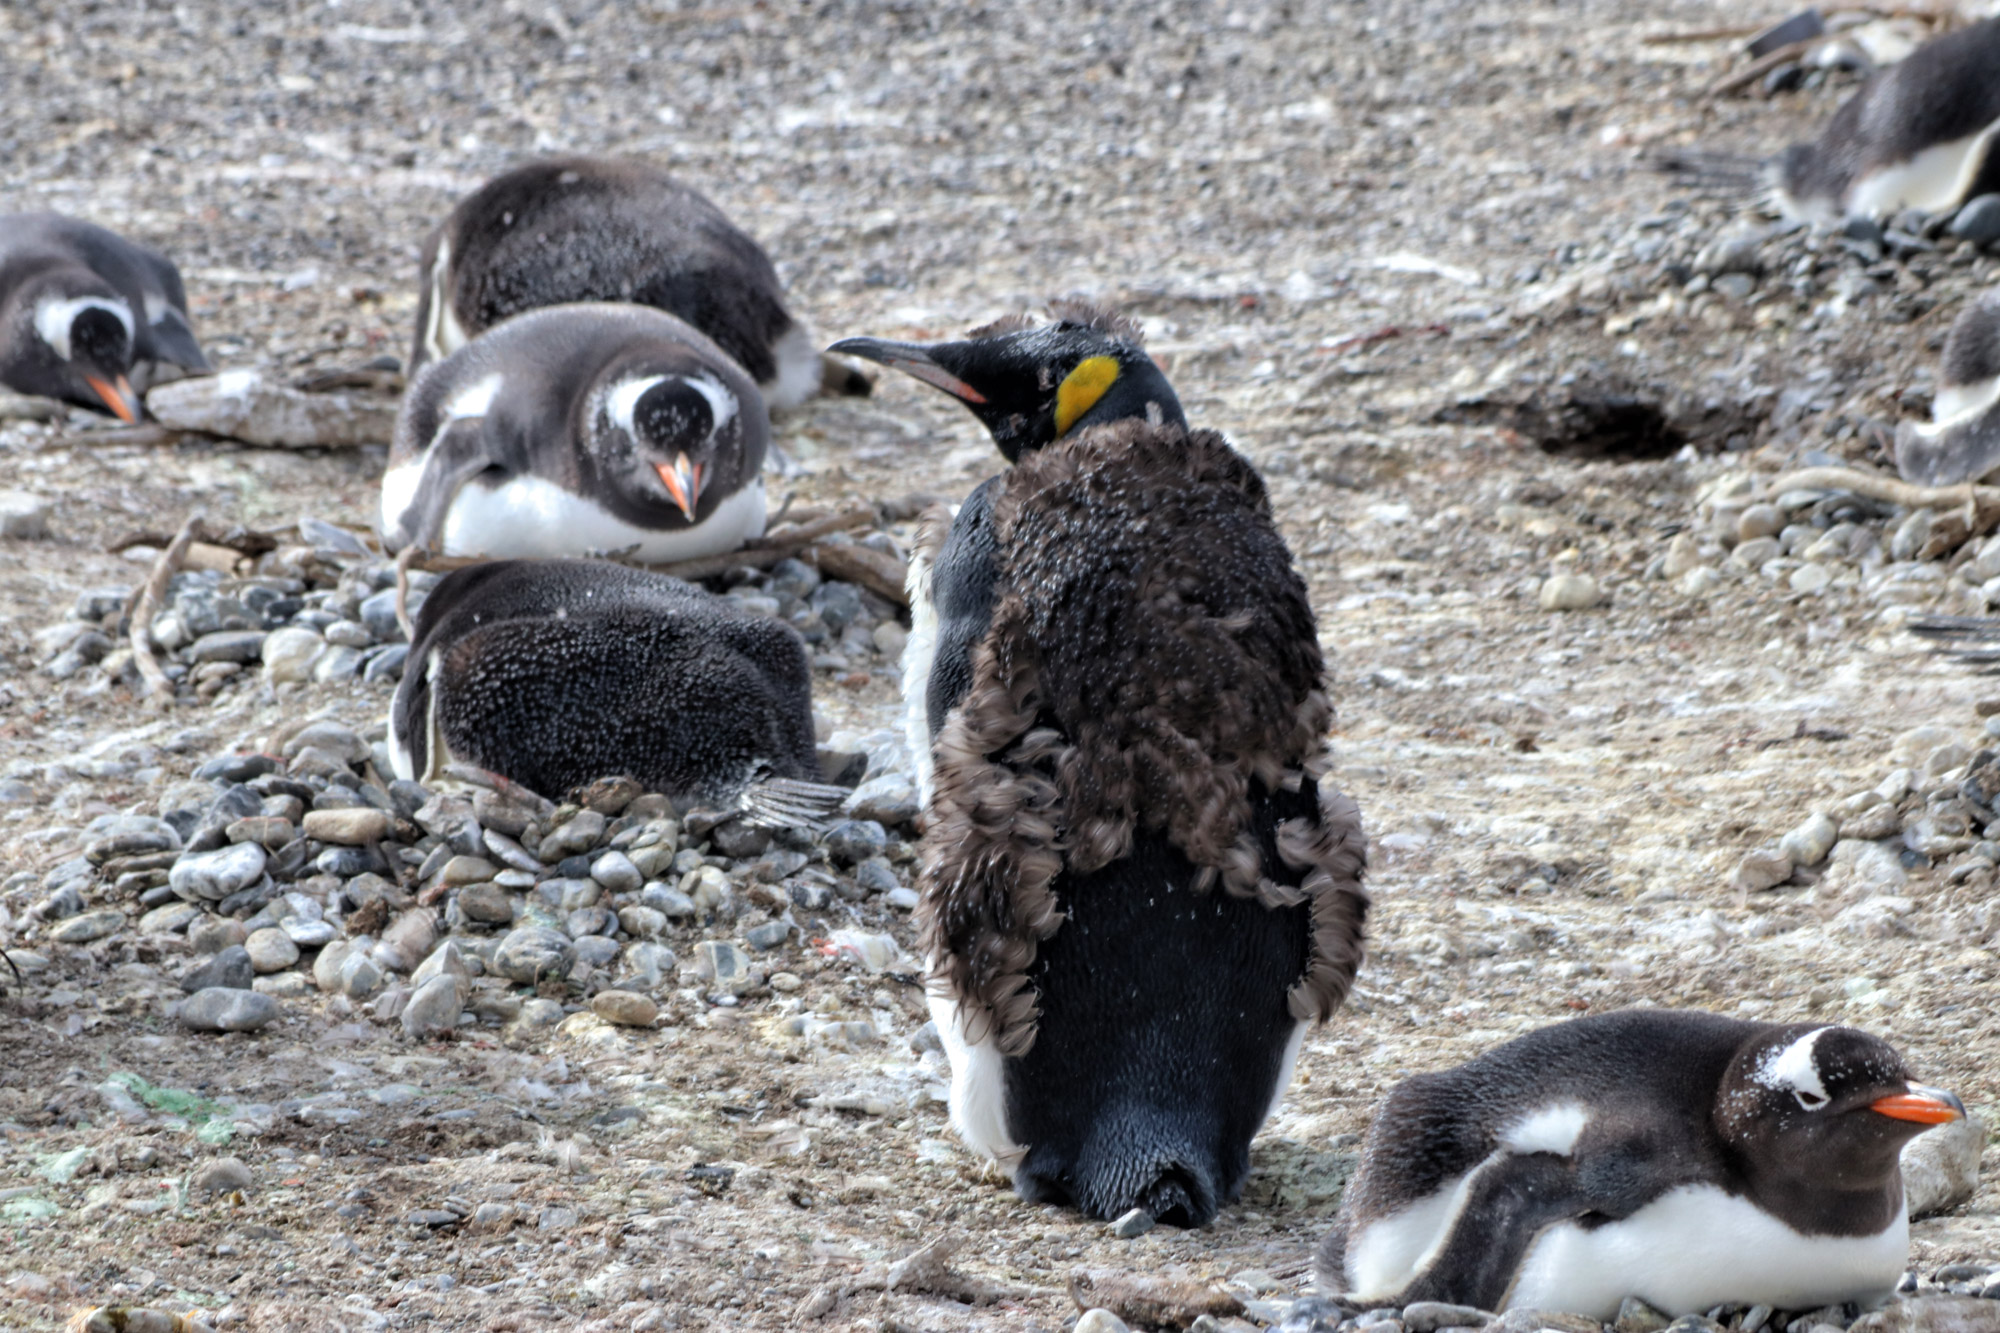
(576,430)
(1685,1158)
(1917,135)
(554,673)
(87,316)
(1962,441)
(1136,892)
(569,229)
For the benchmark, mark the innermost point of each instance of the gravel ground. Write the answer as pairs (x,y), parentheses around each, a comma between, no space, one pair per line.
(1395,250)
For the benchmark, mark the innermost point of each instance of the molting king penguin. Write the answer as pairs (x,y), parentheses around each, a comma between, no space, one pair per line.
(1136,894)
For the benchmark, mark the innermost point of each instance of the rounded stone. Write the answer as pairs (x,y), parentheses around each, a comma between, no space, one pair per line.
(354,827)
(1811,579)
(1979,220)
(433,1007)
(1808,844)
(271,950)
(533,953)
(1765,868)
(625,1008)
(615,871)
(221,1010)
(855,840)
(229,970)
(90,926)
(1760,520)
(213,876)
(486,903)
(1568,592)
(289,654)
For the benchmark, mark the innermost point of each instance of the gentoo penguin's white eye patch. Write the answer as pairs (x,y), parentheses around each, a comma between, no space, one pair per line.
(1552,1129)
(475,399)
(54,317)
(623,401)
(721,402)
(1793,1069)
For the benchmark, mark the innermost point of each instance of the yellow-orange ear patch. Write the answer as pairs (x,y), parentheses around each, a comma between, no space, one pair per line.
(1081,389)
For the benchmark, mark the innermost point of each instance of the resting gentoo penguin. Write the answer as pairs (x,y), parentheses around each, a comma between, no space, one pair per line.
(1917,135)
(577,430)
(570,229)
(87,316)
(554,673)
(1685,1158)
(1962,441)
(1136,892)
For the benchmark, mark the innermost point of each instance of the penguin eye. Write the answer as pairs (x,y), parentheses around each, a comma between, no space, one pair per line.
(1811,1101)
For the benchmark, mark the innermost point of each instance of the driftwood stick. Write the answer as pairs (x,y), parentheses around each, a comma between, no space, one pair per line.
(768,550)
(1878,486)
(879,572)
(169,560)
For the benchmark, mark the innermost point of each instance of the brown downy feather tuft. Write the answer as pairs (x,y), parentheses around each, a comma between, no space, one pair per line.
(1153,655)
(1013,323)
(1103,318)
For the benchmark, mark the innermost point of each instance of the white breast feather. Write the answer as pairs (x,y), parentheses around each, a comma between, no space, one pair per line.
(1697,1247)
(531,516)
(978,1088)
(1390,1251)
(919,651)
(1935,180)
(443,334)
(797,376)
(1551,1129)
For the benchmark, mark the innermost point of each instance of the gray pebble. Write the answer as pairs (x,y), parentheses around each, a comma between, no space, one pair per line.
(87,927)
(1132,1225)
(615,871)
(1429,1316)
(486,903)
(227,645)
(740,840)
(432,1008)
(1978,221)
(597,950)
(229,970)
(577,836)
(903,900)
(876,876)
(271,950)
(855,840)
(532,953)
(219,1009)
(767,936)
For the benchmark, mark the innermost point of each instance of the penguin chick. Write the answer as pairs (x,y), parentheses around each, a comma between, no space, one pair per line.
(1962,440)
(571,229)
(576,430)
(1135,893)
(1919,134)
(87,316)
(1682,1157)
(553,673)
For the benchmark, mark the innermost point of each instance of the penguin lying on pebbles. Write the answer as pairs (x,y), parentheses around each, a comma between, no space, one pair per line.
(1685,1158)
(553,673)
(1962,441)
(1918,135)
(572,229)
(87,316)
(1136,893)
(576,430)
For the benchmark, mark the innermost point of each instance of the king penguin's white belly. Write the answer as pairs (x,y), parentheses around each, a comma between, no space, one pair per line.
(1695,1248)
(919,653)
(533,517)
(978,1088)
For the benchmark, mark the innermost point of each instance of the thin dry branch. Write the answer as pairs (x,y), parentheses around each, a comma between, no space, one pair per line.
(148,606)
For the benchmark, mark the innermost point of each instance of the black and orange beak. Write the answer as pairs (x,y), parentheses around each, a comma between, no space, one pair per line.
(683,482)
(1922,1105)
(914,360)
(118,396)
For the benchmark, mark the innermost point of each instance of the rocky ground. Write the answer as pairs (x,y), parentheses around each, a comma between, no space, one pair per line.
(1628,723)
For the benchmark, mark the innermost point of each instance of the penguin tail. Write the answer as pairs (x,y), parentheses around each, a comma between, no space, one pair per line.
(790,803)
(1704,170)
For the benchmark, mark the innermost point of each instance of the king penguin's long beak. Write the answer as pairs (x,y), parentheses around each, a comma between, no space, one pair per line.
(1925,1106)
(683,482)
(118,396)
(912,359)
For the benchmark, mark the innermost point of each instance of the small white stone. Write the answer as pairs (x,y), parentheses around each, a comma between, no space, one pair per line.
(289,654)
(1808,844)
(1569,592)
(271,950)
(23,515)
(1811,579)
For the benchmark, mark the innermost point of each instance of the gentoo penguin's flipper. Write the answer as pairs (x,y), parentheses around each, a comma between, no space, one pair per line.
(174,343)
(455,457)
(791,803)
(1506,1205)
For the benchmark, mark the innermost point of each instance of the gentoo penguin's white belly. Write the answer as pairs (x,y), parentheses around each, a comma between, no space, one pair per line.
(1697,1247)
(978,1088)
(1935,180)
(1957,404)
(531,516)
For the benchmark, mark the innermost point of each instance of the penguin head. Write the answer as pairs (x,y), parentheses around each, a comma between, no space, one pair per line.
(83,335)
(1831,1105)
(1033,384)
(660,432)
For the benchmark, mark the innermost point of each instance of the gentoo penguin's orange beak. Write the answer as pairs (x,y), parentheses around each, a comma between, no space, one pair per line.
(683,482)
(914,360)
(1925,1106)
(124,404)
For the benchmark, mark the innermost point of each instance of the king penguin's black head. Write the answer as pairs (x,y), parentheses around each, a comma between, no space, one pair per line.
(1033,384)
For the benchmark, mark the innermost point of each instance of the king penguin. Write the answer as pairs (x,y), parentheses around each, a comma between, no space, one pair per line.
(1136,891)
(1919,134)
(1962,440)
(1685,1158)
(570,229)
(579,430)
(87,316)
(553,673)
